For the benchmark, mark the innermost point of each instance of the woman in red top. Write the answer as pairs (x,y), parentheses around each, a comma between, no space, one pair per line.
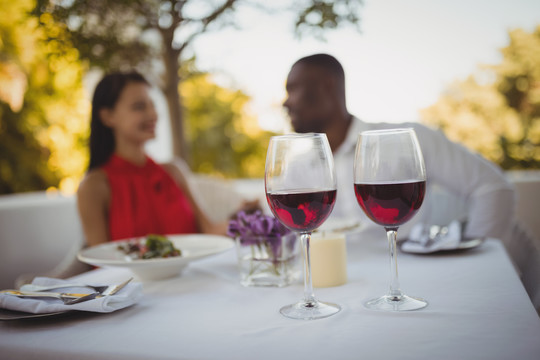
(125,193)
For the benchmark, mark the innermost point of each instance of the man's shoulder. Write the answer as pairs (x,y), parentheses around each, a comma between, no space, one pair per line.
(422,130)
(394,125)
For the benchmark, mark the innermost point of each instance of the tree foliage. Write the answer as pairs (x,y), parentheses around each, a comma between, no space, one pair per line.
(318,15)
(225,140)
(41,103)
(47,46)
(499,118)
(113,34)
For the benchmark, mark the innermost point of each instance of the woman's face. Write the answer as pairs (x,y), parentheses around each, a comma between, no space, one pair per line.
(134,116)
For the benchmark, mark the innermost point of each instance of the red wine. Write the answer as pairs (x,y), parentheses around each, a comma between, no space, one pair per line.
(304,211)
(390,204)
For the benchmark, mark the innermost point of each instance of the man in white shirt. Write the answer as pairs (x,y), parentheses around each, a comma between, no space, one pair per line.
(316,103)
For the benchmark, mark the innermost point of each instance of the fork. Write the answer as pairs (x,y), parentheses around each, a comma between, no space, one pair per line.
(66,298)
(38,288)
(70,299)
(109,292)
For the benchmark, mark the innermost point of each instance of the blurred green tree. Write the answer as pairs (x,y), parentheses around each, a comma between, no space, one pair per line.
(500,116)
(226,141)
(114,34)
(42,105)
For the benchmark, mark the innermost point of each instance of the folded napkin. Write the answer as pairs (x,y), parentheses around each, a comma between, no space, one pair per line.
(422,240)
(124,298)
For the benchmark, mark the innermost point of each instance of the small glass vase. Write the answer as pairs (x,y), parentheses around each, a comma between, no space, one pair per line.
(268,260)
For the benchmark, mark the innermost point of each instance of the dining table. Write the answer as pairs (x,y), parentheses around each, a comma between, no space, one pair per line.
(477,309)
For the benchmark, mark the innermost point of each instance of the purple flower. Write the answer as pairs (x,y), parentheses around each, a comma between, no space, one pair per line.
(258,229)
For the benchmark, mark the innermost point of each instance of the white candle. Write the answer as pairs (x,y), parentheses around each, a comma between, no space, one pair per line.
(328,259)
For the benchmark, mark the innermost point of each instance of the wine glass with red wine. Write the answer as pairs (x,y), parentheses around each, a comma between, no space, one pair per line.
(300,184)
(389,183)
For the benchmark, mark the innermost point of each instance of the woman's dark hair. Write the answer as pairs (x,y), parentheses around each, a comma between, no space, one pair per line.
(106,95)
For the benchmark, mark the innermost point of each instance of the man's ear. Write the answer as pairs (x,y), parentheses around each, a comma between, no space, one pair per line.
(106,116)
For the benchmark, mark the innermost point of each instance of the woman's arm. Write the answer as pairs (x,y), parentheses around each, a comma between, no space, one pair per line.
(93,197)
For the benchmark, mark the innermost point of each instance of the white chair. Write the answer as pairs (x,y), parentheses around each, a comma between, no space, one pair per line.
(220,198)
(216,197)
(524,248)
(40,234)
(527,185)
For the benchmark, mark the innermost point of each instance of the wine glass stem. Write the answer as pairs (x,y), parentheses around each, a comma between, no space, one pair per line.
(395,292)
(309,297)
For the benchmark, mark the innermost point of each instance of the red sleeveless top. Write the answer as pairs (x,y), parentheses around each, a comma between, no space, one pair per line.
(145,200)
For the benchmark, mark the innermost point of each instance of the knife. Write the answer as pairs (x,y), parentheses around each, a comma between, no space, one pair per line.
(56,295)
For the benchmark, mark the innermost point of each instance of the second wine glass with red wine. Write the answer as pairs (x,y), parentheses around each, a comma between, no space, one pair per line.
(300,184)
(390,183)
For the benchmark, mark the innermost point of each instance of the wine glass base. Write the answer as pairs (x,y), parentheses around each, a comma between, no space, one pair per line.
(392,303)
(310,311)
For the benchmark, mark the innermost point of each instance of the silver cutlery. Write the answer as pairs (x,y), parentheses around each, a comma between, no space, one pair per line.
(115,288)
(108,292)
(69,298)
(434,233)
(32,287)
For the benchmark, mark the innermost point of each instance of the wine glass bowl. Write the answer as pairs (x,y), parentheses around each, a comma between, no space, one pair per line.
(302,210)
(389,184)
(300,184)
(390,204)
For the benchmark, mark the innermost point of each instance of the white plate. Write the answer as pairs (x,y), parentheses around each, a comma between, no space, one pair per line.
(193,247)
(464,244)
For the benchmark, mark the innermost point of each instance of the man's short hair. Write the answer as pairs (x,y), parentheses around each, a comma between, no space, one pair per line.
(325,61)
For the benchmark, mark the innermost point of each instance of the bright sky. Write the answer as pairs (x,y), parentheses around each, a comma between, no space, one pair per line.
(405,55)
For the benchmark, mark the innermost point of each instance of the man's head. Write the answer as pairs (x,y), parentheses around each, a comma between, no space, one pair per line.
(315,93)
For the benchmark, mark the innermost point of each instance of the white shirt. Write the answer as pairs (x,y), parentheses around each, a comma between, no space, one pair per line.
(472,188)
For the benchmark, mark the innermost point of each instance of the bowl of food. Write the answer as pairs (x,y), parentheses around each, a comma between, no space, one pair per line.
(155,257)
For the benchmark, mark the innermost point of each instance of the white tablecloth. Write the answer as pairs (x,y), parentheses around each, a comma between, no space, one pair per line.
(478,309)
